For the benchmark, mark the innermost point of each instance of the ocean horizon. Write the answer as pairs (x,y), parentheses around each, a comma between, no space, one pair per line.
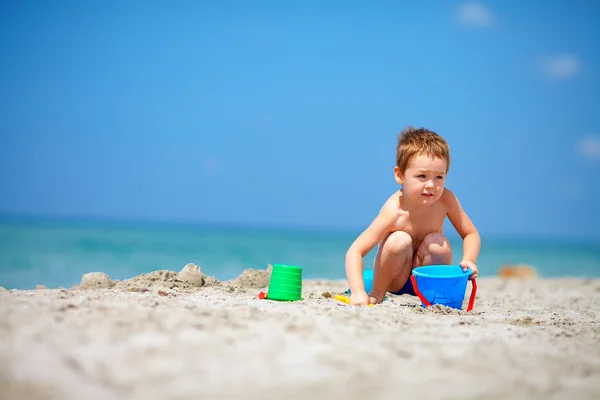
(57,251)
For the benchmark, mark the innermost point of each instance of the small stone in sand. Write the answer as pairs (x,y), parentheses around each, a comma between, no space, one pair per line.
(96,280)
(191,274)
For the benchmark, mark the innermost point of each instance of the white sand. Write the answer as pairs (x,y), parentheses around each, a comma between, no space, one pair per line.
(536,339)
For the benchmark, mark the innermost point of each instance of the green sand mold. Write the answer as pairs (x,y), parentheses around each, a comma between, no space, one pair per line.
(285,283)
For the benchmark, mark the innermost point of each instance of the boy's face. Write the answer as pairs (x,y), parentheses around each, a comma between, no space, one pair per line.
(424,178)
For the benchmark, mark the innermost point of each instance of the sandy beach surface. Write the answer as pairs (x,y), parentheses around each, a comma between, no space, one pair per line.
(168,335)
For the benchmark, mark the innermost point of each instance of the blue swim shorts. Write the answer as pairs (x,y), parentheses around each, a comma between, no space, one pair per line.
(406,289)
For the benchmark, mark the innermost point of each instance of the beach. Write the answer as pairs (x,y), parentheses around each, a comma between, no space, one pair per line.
(185,335)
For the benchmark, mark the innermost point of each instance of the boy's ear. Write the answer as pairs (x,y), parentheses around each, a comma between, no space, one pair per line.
(398,175)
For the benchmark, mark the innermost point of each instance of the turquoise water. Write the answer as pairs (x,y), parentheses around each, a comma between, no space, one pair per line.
(58,253)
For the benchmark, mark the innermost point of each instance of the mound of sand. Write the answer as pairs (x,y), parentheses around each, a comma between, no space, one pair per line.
(189,277)
(253,279)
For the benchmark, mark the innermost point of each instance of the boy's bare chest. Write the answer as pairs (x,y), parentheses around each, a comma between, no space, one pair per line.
(423,223)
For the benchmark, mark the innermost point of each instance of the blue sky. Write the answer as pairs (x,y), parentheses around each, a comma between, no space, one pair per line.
(286,113)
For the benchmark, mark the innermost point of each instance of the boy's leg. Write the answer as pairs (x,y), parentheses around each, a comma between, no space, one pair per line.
(393,264)
(433,250)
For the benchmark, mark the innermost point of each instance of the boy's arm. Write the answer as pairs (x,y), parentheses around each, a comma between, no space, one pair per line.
(465,228)
(364,243)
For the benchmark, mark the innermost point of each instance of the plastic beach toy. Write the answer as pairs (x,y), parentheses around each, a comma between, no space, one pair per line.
(345,299)
(285,283)
(443,284)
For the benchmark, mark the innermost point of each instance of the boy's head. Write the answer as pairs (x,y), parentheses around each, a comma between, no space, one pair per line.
(413,142)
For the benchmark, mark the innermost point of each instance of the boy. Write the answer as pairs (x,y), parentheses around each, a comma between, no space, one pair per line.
(409,226)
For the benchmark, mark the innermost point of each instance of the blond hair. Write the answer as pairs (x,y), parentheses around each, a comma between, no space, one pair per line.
(413,142)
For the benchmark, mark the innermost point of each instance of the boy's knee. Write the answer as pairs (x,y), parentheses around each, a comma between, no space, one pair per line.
(436,244)
(398,242)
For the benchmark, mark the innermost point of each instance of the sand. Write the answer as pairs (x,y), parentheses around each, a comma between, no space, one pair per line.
(159,336)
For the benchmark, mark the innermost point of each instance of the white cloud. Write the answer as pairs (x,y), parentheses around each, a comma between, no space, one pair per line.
(474,13)
(561,66)
(589,147)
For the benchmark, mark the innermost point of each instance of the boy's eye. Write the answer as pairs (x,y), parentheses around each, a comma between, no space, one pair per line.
(439,177)
(421,176)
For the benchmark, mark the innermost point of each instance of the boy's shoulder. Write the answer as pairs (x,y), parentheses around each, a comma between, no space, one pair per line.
(447,196)
(393,201)
(392,206)
(450,201)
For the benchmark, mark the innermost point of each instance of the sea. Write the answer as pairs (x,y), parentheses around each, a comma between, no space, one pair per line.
(57,252)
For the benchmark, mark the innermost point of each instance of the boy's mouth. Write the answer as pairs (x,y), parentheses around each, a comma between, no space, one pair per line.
(428,194)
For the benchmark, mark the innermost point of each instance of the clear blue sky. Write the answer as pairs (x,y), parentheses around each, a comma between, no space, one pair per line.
(287,112)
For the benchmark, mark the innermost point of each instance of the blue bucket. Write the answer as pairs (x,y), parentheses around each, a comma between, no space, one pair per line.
(443,284)
(368,278)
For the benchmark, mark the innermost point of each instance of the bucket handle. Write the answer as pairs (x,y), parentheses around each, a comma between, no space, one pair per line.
(426,302)
(473,292)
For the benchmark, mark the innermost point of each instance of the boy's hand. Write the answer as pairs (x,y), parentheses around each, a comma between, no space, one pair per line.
(471,265)
(359,299)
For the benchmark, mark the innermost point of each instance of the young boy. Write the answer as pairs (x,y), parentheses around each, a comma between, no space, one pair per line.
(409,226)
